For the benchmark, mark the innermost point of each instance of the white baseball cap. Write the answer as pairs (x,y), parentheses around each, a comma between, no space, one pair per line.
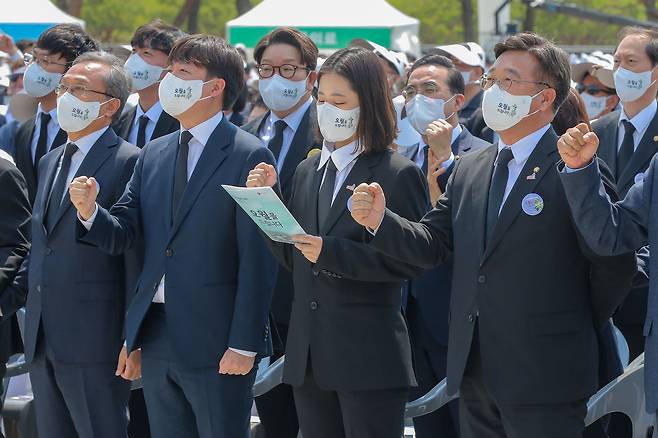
(388,55)
(469,53)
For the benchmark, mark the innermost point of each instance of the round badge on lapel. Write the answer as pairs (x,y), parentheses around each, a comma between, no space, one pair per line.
(532,204)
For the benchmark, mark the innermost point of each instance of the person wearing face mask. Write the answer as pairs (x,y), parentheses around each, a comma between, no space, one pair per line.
(595,83)
(79,371)
(200,311)
(286,60)
(52,55)
(151,46)
(522,349)
(348,355)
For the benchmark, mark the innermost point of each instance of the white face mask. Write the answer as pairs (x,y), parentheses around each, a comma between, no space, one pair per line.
(594,105)
(74,115)
(37,82)
(143,74)
(467,77)
(178,95)
(337,124)
(281,94)
(423,110)
(502,110)
(631,86)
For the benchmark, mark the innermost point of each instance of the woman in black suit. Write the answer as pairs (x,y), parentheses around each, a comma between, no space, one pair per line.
(348,354)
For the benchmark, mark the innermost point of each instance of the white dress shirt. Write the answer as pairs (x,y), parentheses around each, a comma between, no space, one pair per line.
(419,158)
(641,122)
(53,129)
(153,115)
(344,158)
(292,120)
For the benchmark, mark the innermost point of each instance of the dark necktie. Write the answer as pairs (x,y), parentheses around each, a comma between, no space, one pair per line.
(276,142)
(497,189)
(141,131)
(57,191)
(180,175)
(425,152)
(627,148)
(42,141)
(326,193)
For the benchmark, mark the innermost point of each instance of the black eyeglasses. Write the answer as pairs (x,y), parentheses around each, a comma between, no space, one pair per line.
(286,71)
(79,91)
(592,89)
(487,82)
(43,61)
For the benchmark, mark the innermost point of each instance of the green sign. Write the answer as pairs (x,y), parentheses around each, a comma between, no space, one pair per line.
(324,37)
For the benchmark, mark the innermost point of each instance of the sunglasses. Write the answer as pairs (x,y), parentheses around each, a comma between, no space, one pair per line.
(592,89)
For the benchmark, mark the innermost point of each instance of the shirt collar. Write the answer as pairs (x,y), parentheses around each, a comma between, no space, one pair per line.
(153,113)
(642,119)
(52,112)
(524,147)
(342,157)
(204,130)
(85,143)
(293,119)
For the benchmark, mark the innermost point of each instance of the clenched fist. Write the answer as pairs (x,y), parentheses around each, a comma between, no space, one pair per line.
(368,205)
(263,175)
(439,137)
(83,193)
(577,146)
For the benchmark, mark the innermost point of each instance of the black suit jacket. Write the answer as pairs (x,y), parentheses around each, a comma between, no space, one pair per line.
(23,154)
(527,291)
(306,137)
(350,324)
(166,125)
(478,127)
(14,245)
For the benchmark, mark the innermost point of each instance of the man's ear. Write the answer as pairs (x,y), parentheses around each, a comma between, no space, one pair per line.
(111,107)
(459,102)
(310,82)
(549,95)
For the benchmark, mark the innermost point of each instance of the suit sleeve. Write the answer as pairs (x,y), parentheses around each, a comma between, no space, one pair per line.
(256,274)
(360,261)
(14,240)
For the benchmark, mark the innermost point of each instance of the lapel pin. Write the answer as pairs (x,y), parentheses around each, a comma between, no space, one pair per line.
(351,188)
(533,175)
(655,138)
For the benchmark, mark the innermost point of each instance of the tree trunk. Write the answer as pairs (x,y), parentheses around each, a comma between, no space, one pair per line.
(467,20)
(529,22)
(63,5)
(193,20)
(75,8)
(184,13)
(651,9)
(242,6)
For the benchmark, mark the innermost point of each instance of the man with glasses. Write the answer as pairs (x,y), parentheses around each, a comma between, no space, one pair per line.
(286,60)
(51,57)
(595,83)
(522,348)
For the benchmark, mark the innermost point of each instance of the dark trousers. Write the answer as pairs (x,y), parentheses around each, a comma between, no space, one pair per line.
(349,414)
(430,362)
(138,426)
(634,339)
(276,408)
(481,416)
(190,403)
(73,400)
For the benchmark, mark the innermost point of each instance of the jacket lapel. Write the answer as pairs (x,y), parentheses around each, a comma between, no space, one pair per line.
(641,157)
(463,143)
(313,191)
(46,187)
(480,193)
(23,142)
(60,139)
(542,157)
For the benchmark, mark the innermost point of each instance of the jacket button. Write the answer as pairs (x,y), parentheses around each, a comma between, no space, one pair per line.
(471,318)
(314,305)
(169,252)
(316,273)
(49,251)
(38,288)
(482,279)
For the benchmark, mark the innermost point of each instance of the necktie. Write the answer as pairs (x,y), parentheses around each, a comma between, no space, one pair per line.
(57,191)
(425,165)
(627,148)
(180,175)
(141,131)
(497,189)
(276,142)
(326,195)
(42,141)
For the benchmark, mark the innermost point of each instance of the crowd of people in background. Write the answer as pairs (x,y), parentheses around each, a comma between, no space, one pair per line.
(443,238)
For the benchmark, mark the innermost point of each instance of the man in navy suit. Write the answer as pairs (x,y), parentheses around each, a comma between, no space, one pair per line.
(77,294)
(201,307)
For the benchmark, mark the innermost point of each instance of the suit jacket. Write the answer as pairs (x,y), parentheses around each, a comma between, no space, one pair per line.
(306,138)
(350,324)
(527,290)
(166,124)
(471,107)
(615,228)
(478,127)
(215,262)
(14,245)
(65,277)
(237,119)
(23,154)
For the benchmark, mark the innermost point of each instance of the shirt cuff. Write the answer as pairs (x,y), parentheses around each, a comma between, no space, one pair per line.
(90,222)
(374,232)
(447,163)
(243,352)
(568,169)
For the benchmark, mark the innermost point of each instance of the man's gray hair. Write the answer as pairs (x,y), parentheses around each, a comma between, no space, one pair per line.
(117,80)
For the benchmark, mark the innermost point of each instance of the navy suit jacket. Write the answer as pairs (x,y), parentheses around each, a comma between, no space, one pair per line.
(216,264)
(76,292)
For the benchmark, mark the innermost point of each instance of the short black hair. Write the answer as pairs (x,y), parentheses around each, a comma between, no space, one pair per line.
(455,78)
(156,35)
(67,40)
(292,37)
(652,35)
(25,44)
(215,55)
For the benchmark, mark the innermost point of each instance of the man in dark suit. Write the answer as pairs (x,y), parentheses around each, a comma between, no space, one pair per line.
(201,305)
(146,121)
(14,246)
(522,345)
(77,360)
(479,128)
(290,130)
(55,51)
(628,142)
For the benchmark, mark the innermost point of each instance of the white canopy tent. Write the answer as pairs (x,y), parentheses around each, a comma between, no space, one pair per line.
(331,24)
(28,18)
